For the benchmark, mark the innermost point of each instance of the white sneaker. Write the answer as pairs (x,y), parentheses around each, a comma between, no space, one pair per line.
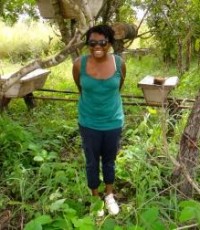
(100,213)
(111,205)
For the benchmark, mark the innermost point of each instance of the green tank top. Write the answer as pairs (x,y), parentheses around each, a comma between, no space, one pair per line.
(100,103)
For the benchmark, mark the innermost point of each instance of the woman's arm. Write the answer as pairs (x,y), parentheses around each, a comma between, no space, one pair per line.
(123,73)
(76,72)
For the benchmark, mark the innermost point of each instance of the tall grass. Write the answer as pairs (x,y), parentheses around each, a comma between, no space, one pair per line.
(25,40)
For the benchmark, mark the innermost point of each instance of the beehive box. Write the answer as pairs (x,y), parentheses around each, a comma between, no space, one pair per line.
(27,84)
(157,93)
(67,10)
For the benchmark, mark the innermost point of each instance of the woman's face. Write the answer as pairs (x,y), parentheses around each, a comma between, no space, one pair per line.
(98,45)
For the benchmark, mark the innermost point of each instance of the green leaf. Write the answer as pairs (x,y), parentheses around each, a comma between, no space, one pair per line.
(150,219)
(60,223)
(33,225)
(133,227)
(118,228)
(69,213)
(189,203)
(57,205)
(150,215)
(187,213)
(190,210)
(97,204)
(38,159)
(109,224)
(152,110)
(45,219)
(83,224)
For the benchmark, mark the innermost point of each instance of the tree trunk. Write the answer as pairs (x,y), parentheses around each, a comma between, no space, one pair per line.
(60,21)
(199,56)
(118,47)
(180,56)
(188,51)
(189,152)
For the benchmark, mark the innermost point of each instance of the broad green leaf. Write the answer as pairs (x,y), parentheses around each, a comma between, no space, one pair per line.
(62,224)
(150,215)
(45,219)
(33,225)
(118,228)
(109,224)
(97,205)
(57,205)
(189,203)
(83,224)
(188,213)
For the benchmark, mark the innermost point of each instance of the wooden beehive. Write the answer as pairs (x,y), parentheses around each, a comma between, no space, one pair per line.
(124,30)
(157,93)
(27,84)
(47,11)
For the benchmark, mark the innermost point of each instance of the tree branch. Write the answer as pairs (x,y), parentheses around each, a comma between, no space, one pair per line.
(57,59)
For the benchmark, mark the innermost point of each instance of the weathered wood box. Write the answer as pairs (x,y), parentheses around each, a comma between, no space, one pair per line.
(27,84)
(156,90)
(68,11)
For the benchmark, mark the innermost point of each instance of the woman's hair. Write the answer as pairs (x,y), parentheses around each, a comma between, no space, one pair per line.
(106,30)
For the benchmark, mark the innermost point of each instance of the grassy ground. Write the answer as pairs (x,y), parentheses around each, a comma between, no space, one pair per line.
(43,166)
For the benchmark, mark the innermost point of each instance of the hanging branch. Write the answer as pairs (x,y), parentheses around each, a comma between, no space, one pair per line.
(60,20)
(145,14)
(88,13)
(53,61)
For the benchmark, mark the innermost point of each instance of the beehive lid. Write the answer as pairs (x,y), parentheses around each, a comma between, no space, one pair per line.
(157,93)
(148,81)
(34,74)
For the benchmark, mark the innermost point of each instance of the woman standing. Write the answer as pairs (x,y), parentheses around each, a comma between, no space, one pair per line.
(99,77)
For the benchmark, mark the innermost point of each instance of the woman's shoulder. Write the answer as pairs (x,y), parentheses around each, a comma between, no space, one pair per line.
(118,57)
(80,59)
(119,60)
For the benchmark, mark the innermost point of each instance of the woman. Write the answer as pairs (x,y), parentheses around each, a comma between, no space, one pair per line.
(99,77)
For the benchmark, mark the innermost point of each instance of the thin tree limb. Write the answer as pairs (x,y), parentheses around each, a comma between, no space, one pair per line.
(186,227)
(53,61)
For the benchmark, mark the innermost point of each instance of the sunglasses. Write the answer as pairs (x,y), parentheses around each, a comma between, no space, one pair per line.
(94,43)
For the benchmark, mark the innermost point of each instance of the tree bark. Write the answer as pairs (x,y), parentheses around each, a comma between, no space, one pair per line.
(180,56)
(189,152)
(53,61)
(199,56)
(118,47)
(188,51)
(60,21)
